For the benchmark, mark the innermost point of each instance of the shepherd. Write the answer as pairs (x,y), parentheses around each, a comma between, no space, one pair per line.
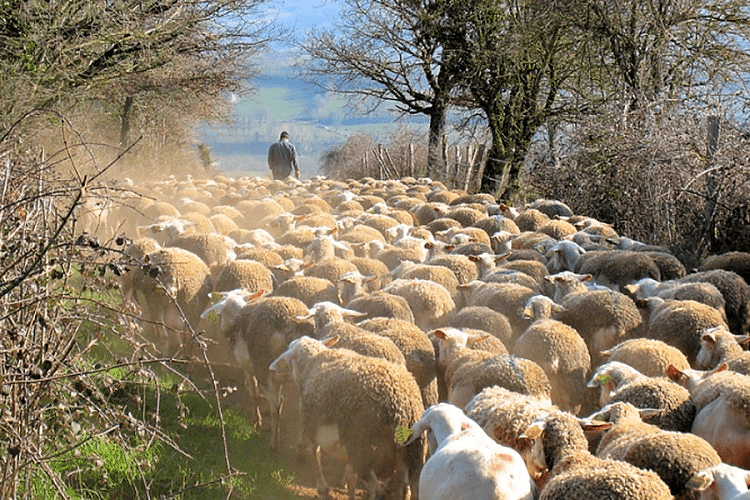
(282,157)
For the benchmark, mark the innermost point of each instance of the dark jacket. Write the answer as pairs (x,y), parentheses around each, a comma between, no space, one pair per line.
(282,157)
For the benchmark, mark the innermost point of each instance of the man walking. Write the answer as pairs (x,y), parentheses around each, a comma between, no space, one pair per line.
(282,157)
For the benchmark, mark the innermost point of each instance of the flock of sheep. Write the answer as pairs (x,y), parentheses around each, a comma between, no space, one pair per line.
(440,345)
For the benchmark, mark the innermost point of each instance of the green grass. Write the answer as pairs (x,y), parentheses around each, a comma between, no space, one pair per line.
(101,468)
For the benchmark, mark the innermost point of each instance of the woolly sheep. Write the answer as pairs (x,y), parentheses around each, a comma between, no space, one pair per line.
(465,461)
(438,274)
(551,208)
(649,356)
(308,289)
(557,229)
(382,304)
(504,370)
(722,399)
(619,382)
(603,318)
(464,269)
(670,267)
(481,318)
(680,323)
(263,330)
(428,301)
(247,274)
(563,256)
(674,456)
(721,482)
(703,292)
(505,415)
(416,348)
(558,349)
(618,268)
(172,290)
(559,444)
(719,346)
(329,322)
(531,219)
(736,294)
(508,299)
(355,402)
(738,262)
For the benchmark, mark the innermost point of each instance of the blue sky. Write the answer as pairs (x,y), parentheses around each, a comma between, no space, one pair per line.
(316,120)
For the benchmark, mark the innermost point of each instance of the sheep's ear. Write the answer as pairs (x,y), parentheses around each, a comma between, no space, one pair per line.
(709,336)
(647,413)
(700,481)
(587,277)
(595,425)
(440,334)
(675,374)
(329,342)
(720,368)
(743,340)
(474,258)
(260,293)
(605,354)
(534,431)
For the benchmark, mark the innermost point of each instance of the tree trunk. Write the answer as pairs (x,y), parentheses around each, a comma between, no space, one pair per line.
(435,155)
(125,121)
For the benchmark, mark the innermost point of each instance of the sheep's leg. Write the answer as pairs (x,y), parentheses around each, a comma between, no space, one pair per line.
(350,479)
(322,484)
(276,403)
(251,382)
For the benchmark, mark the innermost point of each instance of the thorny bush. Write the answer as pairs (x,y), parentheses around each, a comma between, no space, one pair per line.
(57,307)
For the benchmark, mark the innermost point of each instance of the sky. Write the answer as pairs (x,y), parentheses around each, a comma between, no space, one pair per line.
(316,120)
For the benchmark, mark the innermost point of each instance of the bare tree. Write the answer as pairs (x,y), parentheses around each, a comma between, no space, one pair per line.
(125,52)
(390,51)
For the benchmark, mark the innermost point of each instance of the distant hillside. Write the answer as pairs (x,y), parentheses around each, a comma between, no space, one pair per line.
(316,121)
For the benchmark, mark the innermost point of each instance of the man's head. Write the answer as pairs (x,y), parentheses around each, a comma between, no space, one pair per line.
(284,135)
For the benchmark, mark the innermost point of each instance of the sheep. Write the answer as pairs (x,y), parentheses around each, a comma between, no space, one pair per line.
(552,208)
(481,318)
(437,274)
(531,219)
(508,299)
(514,373)
(674,456)
(736,294)
(455,348)
(465,270)
(680,324)
(355,402)
(619,382)
(670,267)
(382,304)
(172,290)
(262,330)
(466,461)
(416,348)
(266,256)
(618,268)
(722,399)
(563,256)
(329,322)
(331,269)
(718,346)
(649,356)
(558,349)
(703,292)
(603,318)
(505,415)
(721,482)
(308,289)
(429,302)
(247,274)
(559,444)
(738,262)
(557,229)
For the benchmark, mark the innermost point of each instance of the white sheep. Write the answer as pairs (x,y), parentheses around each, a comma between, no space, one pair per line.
(719,346)
(721,482)
(353,404)
(466,462)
